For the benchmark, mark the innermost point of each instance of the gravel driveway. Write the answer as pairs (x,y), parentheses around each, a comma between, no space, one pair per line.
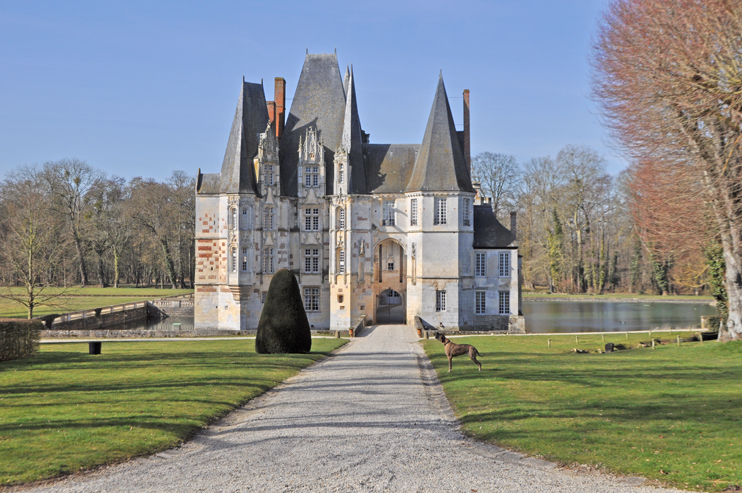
(371,418)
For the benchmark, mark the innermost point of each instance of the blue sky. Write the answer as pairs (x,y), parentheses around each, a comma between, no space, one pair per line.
(143,88)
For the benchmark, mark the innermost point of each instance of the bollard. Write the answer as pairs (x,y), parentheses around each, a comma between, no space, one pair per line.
(549,342)
(627,336)
(94,347)
(337,334)
(603,336)
(652,343)
(700,337)
(678,340)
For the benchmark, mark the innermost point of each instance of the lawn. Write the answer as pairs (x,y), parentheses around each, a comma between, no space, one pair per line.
(64,411)
(76,299)
(671,414)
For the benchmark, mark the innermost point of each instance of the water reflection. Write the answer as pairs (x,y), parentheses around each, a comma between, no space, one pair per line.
(165,324)
(598,316)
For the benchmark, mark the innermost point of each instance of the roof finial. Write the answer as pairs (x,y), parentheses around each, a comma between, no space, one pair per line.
(261,81)
(440,76)
(336,52)
(307,51)
(243,79)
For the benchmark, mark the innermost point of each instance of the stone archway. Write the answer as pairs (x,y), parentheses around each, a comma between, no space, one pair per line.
(390,307)
(390,282)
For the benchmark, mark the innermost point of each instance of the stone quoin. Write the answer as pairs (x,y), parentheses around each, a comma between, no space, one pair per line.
(386,231)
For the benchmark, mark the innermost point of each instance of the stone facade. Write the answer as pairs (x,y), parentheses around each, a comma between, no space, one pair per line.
(385,231)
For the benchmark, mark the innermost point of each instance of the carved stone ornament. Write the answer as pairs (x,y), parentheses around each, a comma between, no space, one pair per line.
(361,248)
(414,253)
(245,237)
(234,200)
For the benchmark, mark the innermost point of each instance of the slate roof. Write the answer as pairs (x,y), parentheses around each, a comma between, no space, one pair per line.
(488,231)
(319,101)
(352,141)
(440,164)
(389,166)
(208,183)
(250,120)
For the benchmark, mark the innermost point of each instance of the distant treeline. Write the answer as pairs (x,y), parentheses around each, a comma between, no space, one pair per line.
(66,223)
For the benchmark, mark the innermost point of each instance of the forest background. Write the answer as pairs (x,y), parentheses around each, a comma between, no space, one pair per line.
(580,230)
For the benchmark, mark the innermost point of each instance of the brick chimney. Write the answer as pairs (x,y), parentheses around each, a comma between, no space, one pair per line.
(467,134)
(513,222)
(271,111)
(279,96)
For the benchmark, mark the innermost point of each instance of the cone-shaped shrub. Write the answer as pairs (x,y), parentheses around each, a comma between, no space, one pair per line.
(283,326)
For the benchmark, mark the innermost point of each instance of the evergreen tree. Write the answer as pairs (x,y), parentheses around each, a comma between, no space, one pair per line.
(283,325)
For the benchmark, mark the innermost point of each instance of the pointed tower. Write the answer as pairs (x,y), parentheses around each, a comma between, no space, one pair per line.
(350,172)
(250,119)
(440,164)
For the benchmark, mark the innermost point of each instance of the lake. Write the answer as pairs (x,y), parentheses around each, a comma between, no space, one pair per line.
(547,316)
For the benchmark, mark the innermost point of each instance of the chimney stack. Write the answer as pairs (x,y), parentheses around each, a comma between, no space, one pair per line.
(513,222)
(467,135)
(279,96)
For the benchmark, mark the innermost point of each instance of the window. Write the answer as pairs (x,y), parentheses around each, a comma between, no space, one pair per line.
(341,261)
(504,303)
(234,217)
(340,173)
(390,265)
(269,174)
(480,265)
(311,176)
(480,307)
(245,224)
(388,218)
(234,259)
(311,219)
(467,221)
(244,259)
(268,261)
(413,212)
(311,299)
(504,264)
(341,218)
(268,218)
(262,297)
(311,260)
(440,301)
(440,211)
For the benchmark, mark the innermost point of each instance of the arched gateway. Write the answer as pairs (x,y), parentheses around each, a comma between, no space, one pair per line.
(390,283)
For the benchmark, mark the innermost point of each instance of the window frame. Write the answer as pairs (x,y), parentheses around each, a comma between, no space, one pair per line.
(503,305)
(466,214)
(413,212)
(311,260)
(440,300)
(439,214)
(504,264)
(480,264)
(480,302)
(389,212)
(311,299)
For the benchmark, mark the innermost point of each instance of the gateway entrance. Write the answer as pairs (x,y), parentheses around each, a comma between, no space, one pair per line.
(390,308)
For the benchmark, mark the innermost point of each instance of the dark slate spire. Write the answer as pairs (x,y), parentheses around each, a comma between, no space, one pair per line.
(352,141)
(250,119)
(345,80)
(319,102)
(440,163)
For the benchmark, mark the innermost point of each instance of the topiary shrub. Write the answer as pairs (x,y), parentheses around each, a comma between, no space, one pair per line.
(283,326)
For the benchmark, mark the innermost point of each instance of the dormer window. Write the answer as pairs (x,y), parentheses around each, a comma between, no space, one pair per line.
(311,176)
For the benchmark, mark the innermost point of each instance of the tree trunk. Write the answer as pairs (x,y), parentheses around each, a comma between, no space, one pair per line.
(81,257)
(733,329)
(168,263)
(116,268)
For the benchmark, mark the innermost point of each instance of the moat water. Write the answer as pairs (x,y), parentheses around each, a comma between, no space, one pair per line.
(550,316)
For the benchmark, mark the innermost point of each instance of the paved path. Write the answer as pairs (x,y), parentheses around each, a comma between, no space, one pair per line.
(371,418)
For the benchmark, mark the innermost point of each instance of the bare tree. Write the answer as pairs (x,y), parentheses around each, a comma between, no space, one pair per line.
(69,181)
(498,174)
(669,78)
(30,240)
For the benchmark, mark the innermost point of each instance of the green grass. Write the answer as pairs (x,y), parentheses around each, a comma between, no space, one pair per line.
(618,296)
(76,299)
(671,414)
(64,411)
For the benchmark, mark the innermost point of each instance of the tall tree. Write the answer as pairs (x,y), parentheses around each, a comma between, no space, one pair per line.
(30,240)
(669,78)
(498,174)
(70,181)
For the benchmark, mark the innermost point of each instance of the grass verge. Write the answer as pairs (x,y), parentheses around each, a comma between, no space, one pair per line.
(65,411)
(76,299)
(670,414)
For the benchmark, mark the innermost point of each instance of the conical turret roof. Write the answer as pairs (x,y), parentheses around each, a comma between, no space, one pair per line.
(250,119)
(440,163)
(352,141)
